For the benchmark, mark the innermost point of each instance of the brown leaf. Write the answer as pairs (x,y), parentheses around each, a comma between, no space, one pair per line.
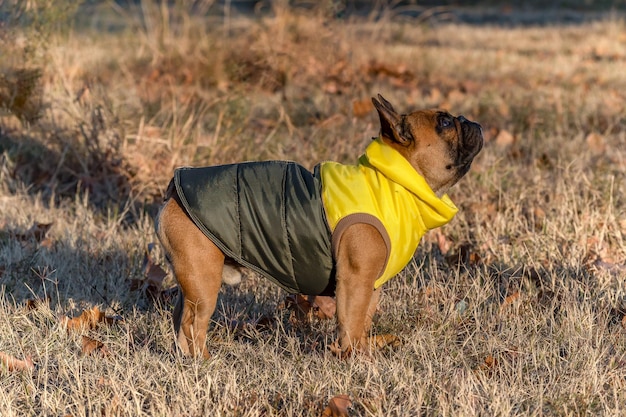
(443,243)
(88,319)
(505,138)
(435,95)
(35,303)
(37,232)
(490,362)
(455,97)
(388,70)
(14,364)
(331,87)
(304,308)
(464,255)
(93,346)
(263,323)
(361,108)
(47,243)
(613,268)
(300,308)
(510,299)
(154,275)
(381,341)
(323,307)
(136,284)
(595,143)
(488,365)
(540,217)
(112,407)
(338,406)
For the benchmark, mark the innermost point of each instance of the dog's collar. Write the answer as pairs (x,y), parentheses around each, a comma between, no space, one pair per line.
(437,210)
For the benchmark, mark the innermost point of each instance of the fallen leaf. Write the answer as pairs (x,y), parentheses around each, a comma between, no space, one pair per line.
(455,97)
(504,138)
(153,274)
(300,308)
(35,303)
(361,108)
(388,70)
(112,407)
(88,319)
(338,406)
(324,308)
(93,346)
(464,255)
(540,217)
(510,299)
(490,361)
(435,95)
(331,87)
(260,324)
(104,382)
(595,143)
(443,243)
(387,340)
(430,294)
(13,364)
(37,232)
(613,268)
(488,365)
(304,308)
(47,243)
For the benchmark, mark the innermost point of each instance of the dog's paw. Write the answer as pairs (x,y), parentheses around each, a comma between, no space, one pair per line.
(338,352)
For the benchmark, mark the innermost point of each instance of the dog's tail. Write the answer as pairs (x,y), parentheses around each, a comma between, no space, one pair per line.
(169,192)
(171,187)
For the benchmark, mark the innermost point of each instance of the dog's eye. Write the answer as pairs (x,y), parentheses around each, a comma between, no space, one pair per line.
(445,122)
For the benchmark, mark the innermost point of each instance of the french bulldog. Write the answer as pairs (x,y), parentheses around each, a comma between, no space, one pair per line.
(341,230)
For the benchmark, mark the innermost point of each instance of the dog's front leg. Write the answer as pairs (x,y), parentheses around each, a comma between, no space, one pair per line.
(360,260)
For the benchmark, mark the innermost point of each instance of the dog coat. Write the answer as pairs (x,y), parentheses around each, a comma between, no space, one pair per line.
(284,222)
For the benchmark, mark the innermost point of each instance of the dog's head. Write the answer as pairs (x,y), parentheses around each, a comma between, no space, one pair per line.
(439,146)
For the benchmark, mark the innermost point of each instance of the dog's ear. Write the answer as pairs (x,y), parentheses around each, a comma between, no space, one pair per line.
(390,122)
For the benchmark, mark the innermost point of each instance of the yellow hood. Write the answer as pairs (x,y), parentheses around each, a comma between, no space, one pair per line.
(384,185)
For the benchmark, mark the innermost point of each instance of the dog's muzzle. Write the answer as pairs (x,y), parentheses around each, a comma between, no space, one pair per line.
(471,143)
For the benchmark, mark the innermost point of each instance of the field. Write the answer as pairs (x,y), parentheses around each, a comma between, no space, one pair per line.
(517,307)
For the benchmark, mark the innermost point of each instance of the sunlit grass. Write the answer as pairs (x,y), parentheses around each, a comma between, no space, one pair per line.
(514,308)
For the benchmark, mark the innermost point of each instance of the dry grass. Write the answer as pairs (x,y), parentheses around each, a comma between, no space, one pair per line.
(515,308)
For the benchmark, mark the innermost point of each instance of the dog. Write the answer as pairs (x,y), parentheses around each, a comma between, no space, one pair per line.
(341,230)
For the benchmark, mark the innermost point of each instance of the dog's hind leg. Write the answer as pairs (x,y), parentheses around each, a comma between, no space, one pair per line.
(197,265)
